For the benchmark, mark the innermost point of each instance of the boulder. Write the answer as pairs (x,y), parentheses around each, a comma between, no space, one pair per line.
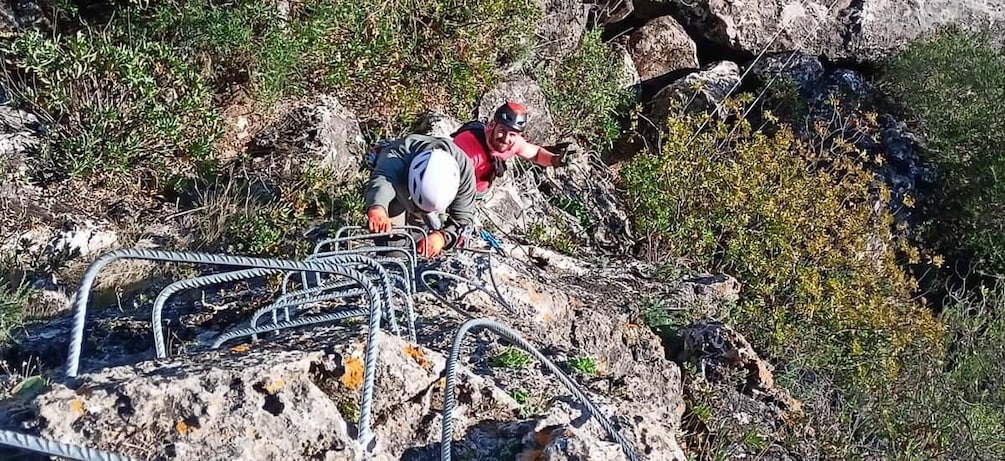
(697,92)
(560,30)
(630,78)
(436,124)
(324,132)
(16,16)
(20,132)
(867,30)
(801,70)
(612,11)
(661,46)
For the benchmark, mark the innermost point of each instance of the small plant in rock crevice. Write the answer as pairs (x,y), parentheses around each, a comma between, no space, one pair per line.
(583,365)
(13,306)
(511,357)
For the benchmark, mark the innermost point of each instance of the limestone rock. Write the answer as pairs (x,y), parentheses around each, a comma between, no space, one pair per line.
(323,132)
(699,91)
(661,46)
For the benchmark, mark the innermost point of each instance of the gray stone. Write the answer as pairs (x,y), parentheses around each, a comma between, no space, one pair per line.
(629,75)
(323,132)
(661,46)
(20,132)
(611,11)
(699,91)
(866,30)
(561,29)
(436,124)
(796,68)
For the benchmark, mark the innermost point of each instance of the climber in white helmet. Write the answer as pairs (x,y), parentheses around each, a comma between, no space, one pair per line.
(417,178)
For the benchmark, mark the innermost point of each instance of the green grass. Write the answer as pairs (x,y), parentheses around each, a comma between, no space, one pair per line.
(583,365)
(951,87)
(122,109)
(141,94)
(13,304)
(552,237)
(585,94)
(511,357)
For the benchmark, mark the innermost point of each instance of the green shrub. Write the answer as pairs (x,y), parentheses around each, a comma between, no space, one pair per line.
(511,357)
(388,60)
(796,223)
(952,404)
(583,365)
(13,303)
(585,94)
(147,86)
(136,108)
(953,86)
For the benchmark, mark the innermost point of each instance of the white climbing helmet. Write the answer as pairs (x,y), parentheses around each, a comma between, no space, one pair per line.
(433,180)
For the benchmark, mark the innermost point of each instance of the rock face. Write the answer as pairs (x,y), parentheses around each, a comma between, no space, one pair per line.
(19,15)
(661,46)
(746,399)
(324,132)
(20,131)
(522,89)
(579,200)
(630,78)
(436,124)
(700,91)
(833,97)
(865,30)
(560,30)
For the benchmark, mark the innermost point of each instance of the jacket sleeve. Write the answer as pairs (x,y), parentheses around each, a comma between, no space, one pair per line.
(462,210)
(389,169)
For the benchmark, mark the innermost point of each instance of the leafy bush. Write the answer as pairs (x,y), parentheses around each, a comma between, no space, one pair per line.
(796,222)
(121,107)
(511,357)
(585,92)
(953,85)
(388,60)
(145,85)
(951,403)
(13,302)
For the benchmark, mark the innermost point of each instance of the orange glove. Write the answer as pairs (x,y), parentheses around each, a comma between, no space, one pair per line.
(432,245)
(378,220)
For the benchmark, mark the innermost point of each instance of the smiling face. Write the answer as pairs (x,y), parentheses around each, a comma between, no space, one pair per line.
(500,137)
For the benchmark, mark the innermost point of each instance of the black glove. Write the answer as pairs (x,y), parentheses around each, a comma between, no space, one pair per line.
(563,153)
(498,167)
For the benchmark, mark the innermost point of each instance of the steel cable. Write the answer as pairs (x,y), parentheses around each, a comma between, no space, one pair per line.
(330,266)
(495,297)
(288,324)
(83,292)
(187,284)
(408,269)
(53,448)
(515,338)
(308,295)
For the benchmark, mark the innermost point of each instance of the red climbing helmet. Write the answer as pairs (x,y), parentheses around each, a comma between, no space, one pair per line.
(513,115)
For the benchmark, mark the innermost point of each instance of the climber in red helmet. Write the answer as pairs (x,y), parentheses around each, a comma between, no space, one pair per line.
(490,146)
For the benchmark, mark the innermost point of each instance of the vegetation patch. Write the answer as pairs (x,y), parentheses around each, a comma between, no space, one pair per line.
(585,92)
(510,357)
(796,221)
(951,86)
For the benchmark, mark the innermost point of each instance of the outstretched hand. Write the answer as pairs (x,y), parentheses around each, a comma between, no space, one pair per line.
(563,153)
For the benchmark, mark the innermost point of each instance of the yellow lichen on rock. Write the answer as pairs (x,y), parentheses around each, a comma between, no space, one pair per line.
(353,376)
